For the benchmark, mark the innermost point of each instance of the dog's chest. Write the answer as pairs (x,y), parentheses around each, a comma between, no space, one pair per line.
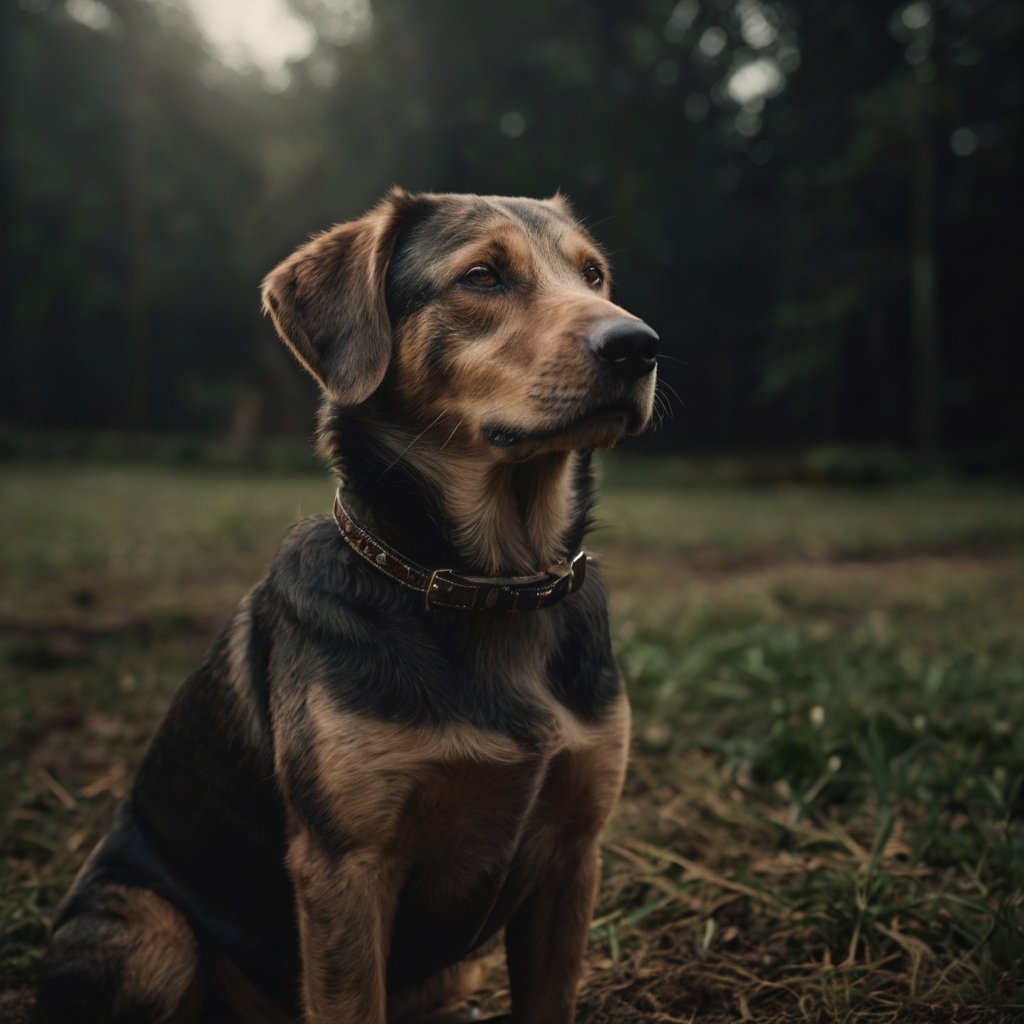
(468,836)
(456,796)
(459,808)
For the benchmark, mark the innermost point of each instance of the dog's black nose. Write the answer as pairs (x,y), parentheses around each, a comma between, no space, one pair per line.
(628,347)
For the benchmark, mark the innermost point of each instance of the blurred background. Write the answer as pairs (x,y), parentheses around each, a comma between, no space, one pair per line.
(812,200)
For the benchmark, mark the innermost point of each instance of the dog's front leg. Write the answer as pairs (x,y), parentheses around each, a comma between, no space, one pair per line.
(346,906)
(546,939)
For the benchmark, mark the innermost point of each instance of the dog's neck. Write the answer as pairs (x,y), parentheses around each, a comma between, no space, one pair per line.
(441,505)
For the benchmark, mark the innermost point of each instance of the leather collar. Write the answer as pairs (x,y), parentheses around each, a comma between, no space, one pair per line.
(445,588)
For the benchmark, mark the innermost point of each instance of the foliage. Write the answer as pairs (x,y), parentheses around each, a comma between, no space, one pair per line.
(767,173)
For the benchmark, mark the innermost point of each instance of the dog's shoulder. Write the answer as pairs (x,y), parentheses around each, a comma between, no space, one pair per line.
(312,567)
(317,585)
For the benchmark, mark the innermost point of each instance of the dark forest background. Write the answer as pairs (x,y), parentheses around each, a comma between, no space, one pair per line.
(816,202)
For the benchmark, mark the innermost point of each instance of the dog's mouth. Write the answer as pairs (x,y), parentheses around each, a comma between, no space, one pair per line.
(601,427)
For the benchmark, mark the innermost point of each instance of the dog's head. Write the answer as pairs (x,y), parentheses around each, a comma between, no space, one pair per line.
(489,318)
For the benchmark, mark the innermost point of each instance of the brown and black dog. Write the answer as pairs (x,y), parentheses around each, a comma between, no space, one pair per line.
(412,732)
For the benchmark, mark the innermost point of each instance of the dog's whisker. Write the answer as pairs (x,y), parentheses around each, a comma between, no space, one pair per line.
(405,451)
(663,386)
(462,419)
(659,411)
(663,411)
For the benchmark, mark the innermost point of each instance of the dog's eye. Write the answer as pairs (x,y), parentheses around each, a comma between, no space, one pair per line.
(482,277)
(593,275)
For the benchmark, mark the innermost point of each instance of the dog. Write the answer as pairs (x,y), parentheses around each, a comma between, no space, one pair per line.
(413,731)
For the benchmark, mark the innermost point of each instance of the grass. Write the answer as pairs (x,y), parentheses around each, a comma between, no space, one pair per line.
(823,817)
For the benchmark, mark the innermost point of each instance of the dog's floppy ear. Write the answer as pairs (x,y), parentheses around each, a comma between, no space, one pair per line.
(327,301)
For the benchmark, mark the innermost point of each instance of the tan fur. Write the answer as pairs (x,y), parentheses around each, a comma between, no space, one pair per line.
(150,938)
(161,960)
(344,916)
(550,505)
(490,523)
(153,945)
(546,943)
(445,797)
(491,527)
(440,1000)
